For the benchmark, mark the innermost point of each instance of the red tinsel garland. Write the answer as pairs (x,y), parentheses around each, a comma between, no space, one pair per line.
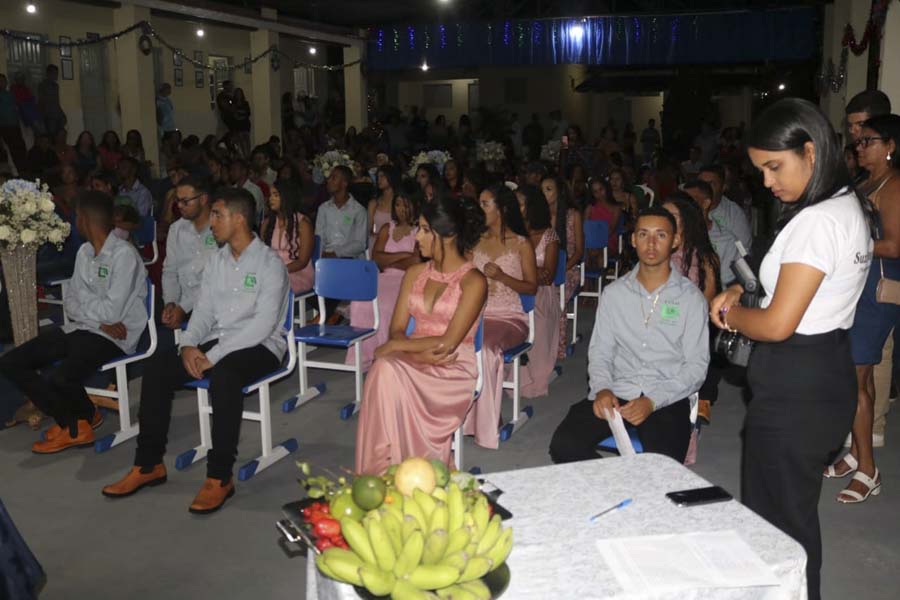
(872,31)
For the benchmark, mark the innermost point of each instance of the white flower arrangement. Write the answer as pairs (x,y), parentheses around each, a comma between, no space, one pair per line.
(324,163)
(27,215)
(436,157)
(490,152)
(550,151)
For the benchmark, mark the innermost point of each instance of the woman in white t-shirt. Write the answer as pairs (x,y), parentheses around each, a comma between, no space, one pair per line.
(801,372)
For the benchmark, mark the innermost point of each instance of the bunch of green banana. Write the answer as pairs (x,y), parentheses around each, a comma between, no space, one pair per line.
(422,543)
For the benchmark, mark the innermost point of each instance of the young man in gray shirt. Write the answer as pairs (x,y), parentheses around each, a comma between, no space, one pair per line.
(107,315)
(648,353)
(233,338)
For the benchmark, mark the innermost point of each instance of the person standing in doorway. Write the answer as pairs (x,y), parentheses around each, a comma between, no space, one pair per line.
(650,141)
(224,108)
(165,110)
(10,132)
(54,119)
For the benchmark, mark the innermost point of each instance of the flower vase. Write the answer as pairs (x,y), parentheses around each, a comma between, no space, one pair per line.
(20,274)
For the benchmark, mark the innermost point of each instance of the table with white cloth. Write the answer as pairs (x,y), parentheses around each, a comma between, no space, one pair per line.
(555,553)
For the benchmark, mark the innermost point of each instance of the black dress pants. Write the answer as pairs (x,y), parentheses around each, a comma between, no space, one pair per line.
(165,373)
(666,431)
(60,394)
(804,401)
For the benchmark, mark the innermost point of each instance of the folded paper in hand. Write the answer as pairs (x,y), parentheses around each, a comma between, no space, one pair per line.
(620,434)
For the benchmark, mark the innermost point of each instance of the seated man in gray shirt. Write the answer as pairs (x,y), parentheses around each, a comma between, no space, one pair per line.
(233,338)
(723,211)
(648,353)
(188,247)
(107,315)
(722,240)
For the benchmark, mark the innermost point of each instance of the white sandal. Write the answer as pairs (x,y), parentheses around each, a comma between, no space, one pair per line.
(848,458)
(873,488)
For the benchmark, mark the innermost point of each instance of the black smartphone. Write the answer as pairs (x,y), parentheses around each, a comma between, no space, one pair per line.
(695,497)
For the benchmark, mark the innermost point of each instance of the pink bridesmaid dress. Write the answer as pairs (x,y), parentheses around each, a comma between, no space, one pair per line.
(573,279)
(361,314)
(301,280)
(505,326)
(534,380)
(410,408)
(381,219)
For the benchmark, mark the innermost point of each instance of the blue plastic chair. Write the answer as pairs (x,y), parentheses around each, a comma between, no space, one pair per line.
(127,429)
(615,262)
(145,235)
(514,356)
(609,444)
(270,454)
(479,384)
(300,297)
(559,279)
(337,279)
(596,237)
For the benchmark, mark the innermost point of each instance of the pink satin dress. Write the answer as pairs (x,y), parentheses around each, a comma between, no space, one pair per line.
(413,409)
(389,281)
(573,279)
(534,379)
(505,326)
(301,280)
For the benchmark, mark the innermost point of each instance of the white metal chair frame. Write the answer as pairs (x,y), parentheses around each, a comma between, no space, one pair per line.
(520,416)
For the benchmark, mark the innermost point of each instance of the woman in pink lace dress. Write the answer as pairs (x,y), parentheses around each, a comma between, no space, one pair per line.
(395,252)
(381,206)
(506,257)
(420,387)
(535,376)
(290,234)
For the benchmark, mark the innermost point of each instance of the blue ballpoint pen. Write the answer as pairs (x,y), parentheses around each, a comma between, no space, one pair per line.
(621,504)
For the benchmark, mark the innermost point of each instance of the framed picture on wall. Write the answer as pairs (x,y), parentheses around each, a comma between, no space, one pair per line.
(67,69)
(64,50)
(179,77)
(199,79)
(176,57)
(198,56)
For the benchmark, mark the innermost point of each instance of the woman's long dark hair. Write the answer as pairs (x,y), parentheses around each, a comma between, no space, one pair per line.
(695,239)
(563,203)
(508,205)
(537,211)
(410,191)
(288,211)
(450,217)
(392,174)
(788,125)
(434,176)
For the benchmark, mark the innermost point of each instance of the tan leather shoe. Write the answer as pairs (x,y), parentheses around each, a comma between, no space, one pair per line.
(212,496)
(136,479)
(704,411)
(55,430)
(64,440)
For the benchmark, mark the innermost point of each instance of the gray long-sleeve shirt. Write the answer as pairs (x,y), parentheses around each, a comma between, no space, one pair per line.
(187,252)
(343,230)
(730,217)
(108,288)
(241,303)
(665,361)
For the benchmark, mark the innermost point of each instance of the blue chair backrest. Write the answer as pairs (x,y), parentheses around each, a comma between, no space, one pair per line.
(596,235)
(560,277)
(146,233)
(346,279)
(479,333)
(148,301)
(317,251)
(527,302)
(289,317)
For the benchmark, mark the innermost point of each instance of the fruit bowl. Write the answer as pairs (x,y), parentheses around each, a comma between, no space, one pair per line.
(497,582)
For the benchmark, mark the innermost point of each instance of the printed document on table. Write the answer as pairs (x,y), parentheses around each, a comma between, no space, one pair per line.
(667,563)
(623,441)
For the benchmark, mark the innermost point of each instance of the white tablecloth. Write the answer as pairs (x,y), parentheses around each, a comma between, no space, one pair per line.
(554,552)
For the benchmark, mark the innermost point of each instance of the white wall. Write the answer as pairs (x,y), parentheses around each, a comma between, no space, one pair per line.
(889,75)
(411,93)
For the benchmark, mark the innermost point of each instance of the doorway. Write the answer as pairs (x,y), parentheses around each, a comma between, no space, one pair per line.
(93,74)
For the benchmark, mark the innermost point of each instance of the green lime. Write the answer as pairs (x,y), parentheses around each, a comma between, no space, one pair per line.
(441,472)
(368,491)
(342,505)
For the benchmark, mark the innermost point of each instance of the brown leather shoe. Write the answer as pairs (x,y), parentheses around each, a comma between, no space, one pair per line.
(212,496)
(704,411)
(64,440)
(55,430)
(136,479)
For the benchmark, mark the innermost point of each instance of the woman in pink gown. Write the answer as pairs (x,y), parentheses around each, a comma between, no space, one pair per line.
(395,252)
(506,257)
(290,234)
(571,237)
(535,377)
(380,208)
(420,387)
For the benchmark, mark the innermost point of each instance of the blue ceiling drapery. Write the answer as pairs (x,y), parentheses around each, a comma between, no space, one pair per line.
(714,38)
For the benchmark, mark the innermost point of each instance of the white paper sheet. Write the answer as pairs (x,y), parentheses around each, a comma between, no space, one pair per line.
(620,434)
(667,563)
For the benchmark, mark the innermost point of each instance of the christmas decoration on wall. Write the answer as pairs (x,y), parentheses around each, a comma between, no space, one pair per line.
(830,78)
(872,31)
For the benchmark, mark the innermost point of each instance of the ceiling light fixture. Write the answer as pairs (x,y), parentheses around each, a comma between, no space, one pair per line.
(781,87)
(424,66)
(30,8)
(312,50)
(200,33)
(576,32)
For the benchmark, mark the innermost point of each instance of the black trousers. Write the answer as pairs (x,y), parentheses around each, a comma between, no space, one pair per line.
(666,431)
(165,373)
(804,401)
(61,394)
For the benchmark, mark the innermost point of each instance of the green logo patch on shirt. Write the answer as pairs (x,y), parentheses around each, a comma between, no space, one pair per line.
(210,240)
(670,311)
(348,220)
(103,272)
(250,281)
